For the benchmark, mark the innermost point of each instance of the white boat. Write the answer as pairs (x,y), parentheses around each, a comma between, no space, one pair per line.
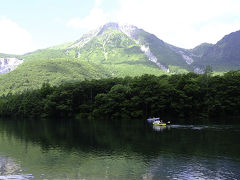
(159,123)
(153,119)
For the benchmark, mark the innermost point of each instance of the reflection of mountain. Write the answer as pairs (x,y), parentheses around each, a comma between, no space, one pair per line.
(68,150)
(8,166)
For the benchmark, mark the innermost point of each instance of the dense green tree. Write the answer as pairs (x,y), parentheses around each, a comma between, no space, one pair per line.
(192,97)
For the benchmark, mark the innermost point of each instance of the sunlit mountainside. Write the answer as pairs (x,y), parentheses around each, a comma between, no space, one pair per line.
(114,50)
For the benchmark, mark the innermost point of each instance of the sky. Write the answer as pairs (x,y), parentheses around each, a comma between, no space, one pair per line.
(28,25)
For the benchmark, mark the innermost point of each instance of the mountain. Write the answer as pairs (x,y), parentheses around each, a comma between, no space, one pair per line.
(225,54)
(201,49)
(114,43)
(115,50)
(105,52)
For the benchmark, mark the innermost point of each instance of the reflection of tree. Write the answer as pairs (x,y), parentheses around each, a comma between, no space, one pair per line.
(133,136)
(107,148)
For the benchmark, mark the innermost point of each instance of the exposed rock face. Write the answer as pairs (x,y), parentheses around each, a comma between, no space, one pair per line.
(188,59)
(198,70)
(9,64)
(153,58)
(85,39)
(131,32)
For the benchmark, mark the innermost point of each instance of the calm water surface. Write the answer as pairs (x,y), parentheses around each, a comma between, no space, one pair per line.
(43,149)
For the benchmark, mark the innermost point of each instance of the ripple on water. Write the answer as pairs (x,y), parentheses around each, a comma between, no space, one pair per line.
(9,169)
(192,167)
(17,177)
(212,127)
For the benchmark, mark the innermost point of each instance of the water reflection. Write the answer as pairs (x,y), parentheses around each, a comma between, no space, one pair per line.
(41,149)
(9,169)
(8,166)
(161,128)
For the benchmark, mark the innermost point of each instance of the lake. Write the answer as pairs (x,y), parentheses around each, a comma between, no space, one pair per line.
(57,149)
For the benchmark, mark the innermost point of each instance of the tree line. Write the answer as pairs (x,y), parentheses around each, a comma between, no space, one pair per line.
(188,97)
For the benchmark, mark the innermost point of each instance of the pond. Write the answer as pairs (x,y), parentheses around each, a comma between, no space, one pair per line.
(71,149)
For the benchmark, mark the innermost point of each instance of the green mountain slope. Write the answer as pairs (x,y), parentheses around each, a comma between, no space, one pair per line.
(122,44)
(110,53)
(116,50)
(31,74)
(165,55)
(201,49)
(225,54)
(8,55)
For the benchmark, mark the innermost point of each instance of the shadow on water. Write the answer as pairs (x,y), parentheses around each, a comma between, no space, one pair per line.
(135,147)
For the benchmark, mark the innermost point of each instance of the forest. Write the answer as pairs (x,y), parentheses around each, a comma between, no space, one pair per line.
(186,98)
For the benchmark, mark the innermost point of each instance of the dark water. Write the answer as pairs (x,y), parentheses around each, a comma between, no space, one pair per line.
(117,150)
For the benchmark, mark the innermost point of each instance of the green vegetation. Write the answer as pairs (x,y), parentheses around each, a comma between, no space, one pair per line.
(10,56)
(32,74)
(201,49)
(177,70)
(110,54)
(45,54)
(186,96)
(165,55)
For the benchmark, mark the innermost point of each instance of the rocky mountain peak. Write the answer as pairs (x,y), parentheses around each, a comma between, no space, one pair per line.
(125,28)
(112,25)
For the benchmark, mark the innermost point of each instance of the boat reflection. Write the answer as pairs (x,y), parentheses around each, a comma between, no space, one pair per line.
(160,128)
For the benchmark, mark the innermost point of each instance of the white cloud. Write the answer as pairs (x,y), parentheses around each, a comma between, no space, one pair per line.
(97,3)
(96,18)
(184,23)
(13,38)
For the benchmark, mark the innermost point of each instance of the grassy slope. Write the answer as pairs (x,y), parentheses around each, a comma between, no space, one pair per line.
(10,56)
(122,55)
(32,73)
(201,49)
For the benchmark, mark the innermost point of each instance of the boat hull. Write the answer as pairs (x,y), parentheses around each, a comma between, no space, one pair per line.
(162,124)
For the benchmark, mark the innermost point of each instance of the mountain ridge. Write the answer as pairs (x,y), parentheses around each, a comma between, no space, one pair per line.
(114,50)
(156,50)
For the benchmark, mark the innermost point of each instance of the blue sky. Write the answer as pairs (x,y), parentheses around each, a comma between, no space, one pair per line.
(27,25)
